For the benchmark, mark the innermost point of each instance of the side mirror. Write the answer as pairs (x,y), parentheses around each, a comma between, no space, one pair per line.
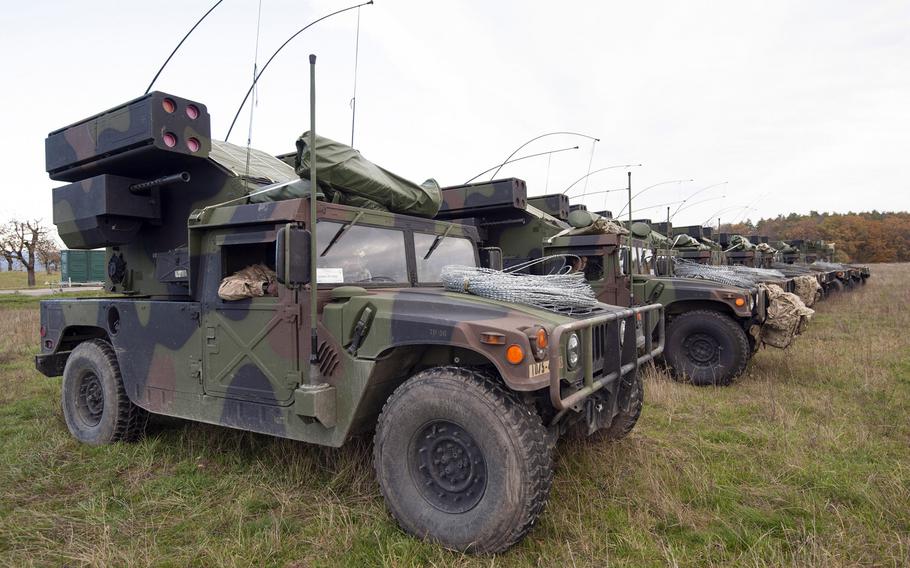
(292,256)
(491,257)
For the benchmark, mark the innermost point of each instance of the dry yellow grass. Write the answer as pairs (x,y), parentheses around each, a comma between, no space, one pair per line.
(804,461)
(18,279)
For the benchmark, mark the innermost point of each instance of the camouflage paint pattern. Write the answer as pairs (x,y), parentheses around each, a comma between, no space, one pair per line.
(500,211)
(185,352)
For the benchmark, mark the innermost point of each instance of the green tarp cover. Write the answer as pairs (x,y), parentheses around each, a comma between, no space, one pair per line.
(687,242)
(346,177)
(739,242)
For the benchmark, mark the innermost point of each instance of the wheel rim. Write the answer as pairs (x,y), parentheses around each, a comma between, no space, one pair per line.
(702,349)
(448,467)
(90,399)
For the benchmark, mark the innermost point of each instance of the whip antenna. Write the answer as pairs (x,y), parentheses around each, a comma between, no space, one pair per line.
(354,94)
(168,60)
(249,135)
(269,61)
(590,161)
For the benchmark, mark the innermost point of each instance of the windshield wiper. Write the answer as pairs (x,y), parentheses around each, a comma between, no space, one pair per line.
(437,241)
(341,231)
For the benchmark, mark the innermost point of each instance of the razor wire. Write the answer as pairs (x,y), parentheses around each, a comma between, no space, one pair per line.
(563,290)
(828,265)
(792,269)
(740,276)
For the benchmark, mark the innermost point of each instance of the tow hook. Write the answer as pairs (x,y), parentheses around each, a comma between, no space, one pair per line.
(592,409)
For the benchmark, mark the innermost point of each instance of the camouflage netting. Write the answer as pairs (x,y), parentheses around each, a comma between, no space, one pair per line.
(765,248)
(787,317)
(602,226)
(741,276)
(586,223)
(808,289)
(250,282)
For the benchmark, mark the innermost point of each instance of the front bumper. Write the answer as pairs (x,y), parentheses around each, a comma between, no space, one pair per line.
(609,350)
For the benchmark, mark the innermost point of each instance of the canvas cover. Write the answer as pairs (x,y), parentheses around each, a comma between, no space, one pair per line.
(685,241)
(346,177)
(787,317)
(739,242)
(808,289)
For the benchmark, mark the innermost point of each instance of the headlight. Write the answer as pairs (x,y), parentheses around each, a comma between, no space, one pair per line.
(751,303)
(573,346)
(622,331)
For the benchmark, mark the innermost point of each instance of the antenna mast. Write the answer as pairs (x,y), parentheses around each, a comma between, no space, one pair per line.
(356,60)
(249,135)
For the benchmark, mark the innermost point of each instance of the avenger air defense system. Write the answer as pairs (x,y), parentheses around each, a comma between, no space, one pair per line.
(799,255)
(466,395)
(712,328)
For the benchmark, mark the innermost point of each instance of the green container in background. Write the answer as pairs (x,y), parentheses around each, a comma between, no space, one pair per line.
(81,266)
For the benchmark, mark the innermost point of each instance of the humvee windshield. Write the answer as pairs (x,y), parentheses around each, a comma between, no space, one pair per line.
(364,254)
(449,251)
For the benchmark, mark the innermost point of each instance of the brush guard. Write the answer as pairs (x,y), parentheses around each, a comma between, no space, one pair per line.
(609,351)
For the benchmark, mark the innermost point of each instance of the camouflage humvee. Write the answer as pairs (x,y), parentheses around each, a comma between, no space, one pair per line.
(814,256)
(711,327)
(466,395)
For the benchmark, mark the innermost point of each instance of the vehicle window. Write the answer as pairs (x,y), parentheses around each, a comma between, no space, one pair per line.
(449,251)
(359,255)
(238,257)
(640,261)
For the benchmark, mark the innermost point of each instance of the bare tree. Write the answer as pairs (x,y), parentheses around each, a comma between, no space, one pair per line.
(48,253)
(22,241)
(6,248)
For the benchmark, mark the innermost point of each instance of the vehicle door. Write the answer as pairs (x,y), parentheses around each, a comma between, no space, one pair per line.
(251,347)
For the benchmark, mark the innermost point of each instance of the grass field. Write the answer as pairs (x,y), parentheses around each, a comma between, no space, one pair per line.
(804,461)
(17,279)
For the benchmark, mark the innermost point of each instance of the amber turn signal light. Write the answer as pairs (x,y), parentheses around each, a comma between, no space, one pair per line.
(491,338)
(542,339)
(515,354)
(740,302)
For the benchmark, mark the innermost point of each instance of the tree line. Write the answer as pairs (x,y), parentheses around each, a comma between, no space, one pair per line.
(28,244)
(858,237)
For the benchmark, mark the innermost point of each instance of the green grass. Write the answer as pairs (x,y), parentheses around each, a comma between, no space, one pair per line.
(803,461)
(17,279)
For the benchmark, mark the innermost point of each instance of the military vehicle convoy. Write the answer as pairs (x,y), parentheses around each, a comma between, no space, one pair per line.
(711,327)
(466,395)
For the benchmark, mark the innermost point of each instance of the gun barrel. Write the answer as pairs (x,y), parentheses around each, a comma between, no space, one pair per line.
(182,177)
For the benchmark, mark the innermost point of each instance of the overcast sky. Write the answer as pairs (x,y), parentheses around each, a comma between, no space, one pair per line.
(798,105)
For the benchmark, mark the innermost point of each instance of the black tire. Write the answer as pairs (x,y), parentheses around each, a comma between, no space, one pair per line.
(95,405)
(706,347)
(835,288)
(468,419)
